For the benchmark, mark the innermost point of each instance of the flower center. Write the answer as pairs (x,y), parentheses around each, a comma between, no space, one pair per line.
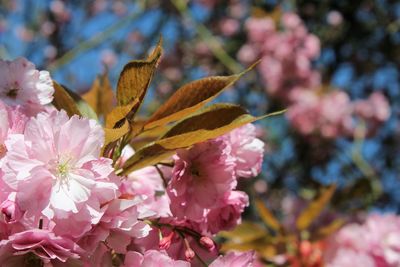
(62,169)
(194,171)
(12,93)
(62,172)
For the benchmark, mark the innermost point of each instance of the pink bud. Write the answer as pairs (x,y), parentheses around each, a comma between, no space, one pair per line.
(189,254)
(165,242)
(10,210)
(207,242)
(305,248)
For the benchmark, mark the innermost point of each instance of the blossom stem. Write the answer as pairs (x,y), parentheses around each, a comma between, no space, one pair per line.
(166,164)
(162,176)
(363,165)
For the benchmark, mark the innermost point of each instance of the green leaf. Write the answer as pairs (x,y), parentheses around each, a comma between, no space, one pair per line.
(315,208)
(72,103)
(112,135)
(245,232)
(267,216)
(135,79)
(100,97)
(118,115)
(212,122)
(147,155)
(63,100)
(330,228)
(144,137)
(191,97)
(264,247)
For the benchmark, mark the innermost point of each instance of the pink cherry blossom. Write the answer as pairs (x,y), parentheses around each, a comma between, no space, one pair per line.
(247,54)
(148,183)
(237,259)
(335,109)
(201,176)
(259,29)
(152,258)
(61,203)
(328,114)
(286,54)
(246,149)
(334,18)
(332,114)
(101,257)
(22,84)
(10,210)
(227,215)
(349,258)
(229,26)
(12,121)
(121,222)
(378,107)
(373,111)
(42,243)
(373,243)
(55,167)
(304,113)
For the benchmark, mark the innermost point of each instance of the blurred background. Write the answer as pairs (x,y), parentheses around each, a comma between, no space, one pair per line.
(333,64)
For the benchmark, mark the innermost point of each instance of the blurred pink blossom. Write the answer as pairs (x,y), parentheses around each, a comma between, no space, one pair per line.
(376,242)
(329,115)
(236,259)
(373,111)
(334,18)
(286,55)
(229,26)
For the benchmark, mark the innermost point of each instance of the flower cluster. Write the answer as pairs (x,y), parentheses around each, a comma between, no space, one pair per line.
(62,203)
(373,243)
(286,56)
(199,198)
(333,114)
(287,51)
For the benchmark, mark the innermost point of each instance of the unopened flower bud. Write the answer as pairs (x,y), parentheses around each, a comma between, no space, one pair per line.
(166,241)
(305,248)
(189,254)
(207,242)
(10,210)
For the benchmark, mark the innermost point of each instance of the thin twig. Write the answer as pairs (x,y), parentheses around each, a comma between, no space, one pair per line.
(162,176)
(94,41)
(213,43)
(362,164)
